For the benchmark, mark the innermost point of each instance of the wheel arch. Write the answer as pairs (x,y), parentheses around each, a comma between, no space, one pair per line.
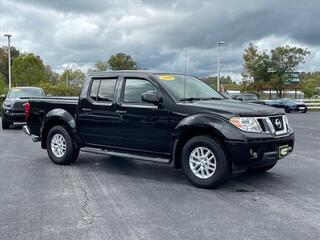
(192,127)
(59,117)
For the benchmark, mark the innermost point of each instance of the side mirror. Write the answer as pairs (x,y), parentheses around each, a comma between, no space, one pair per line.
(151,98)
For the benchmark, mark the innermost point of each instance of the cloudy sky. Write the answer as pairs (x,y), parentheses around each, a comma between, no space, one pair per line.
(155,33)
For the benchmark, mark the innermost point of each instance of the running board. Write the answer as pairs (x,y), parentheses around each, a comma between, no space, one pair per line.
(126,155)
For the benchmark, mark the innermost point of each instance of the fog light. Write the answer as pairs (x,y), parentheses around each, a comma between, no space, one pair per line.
(253,154)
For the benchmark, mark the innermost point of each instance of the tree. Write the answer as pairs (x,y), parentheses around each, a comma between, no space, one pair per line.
(28,70)
(256,69)
(310,84)
(212,81)
(101,66)
(51,75)
(72,78)
(4,60)
(121,61)
(3,85)
(270,70)
(285,60)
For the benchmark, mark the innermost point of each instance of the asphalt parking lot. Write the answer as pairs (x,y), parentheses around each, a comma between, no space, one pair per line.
(110,198)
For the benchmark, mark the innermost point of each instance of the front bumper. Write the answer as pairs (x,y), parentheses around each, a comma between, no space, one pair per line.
(12,116)
(254,153)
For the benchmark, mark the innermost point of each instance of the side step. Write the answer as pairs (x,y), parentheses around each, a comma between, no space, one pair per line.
(126,155)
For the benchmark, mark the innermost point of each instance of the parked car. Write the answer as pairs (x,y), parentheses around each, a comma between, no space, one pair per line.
(164,118)
(289,105)
(12,107)
(248,97)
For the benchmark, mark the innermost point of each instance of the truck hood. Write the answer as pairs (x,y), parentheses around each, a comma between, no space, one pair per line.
(232,107)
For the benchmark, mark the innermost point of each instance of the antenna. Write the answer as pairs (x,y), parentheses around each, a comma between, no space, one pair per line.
(185,73)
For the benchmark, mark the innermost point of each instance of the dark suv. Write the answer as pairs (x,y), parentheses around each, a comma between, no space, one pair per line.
(12,107)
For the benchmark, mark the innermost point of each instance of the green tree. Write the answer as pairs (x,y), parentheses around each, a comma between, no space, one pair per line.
(4,60)
(3,85)
(212,81)
(310,84)
(28,70)
(101,66)
(284,60)
(256,69)
(72,78)
(121,61)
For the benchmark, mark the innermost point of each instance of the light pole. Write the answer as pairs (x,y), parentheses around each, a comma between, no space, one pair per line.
(218,65)
(9,58)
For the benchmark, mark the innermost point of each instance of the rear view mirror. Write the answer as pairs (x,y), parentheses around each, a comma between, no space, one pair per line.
(151,98)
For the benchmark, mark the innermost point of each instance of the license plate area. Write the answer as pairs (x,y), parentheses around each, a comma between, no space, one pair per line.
(284,150)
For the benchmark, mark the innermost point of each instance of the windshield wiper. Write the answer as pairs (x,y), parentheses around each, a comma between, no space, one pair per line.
(190,99)
(212,98)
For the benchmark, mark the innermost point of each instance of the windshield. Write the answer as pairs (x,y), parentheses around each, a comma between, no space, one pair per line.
(25,92)
(188,87)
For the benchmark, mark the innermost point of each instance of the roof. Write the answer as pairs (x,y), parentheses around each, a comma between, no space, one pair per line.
(102,73)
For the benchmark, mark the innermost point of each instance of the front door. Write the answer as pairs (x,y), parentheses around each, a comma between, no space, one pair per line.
(145,126)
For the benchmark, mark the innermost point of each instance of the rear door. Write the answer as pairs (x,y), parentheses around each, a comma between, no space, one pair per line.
(96,113)
(144,126)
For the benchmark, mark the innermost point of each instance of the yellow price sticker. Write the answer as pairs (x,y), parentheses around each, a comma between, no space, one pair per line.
(167,78)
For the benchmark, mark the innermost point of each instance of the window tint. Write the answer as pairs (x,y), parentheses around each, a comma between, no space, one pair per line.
(106,90)
(134,88)
(94,89)
(103,90)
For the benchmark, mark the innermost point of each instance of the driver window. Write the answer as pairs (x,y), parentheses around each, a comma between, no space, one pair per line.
(134,88)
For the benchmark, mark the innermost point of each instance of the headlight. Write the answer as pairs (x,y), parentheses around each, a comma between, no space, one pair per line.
(8,105)
(247,124)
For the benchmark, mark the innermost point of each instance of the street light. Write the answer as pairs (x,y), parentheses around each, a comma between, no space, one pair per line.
(218,64)
(9,58)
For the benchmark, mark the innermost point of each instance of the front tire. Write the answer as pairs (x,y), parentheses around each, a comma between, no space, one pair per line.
(287,109)
(5,124)
(205,162)
(60,146)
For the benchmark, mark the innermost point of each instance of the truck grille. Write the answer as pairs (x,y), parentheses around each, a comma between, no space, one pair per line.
(274,124)
(18,106)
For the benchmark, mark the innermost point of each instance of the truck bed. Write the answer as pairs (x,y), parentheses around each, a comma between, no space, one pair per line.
(40,106)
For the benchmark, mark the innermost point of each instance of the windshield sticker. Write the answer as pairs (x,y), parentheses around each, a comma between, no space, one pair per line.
(167,78)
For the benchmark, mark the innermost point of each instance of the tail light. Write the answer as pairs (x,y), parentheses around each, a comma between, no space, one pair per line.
(26,110)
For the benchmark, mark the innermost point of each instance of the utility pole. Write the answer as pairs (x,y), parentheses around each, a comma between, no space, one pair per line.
(218,65)
(9,58)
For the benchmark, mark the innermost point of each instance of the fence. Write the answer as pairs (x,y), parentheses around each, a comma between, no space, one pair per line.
(312,104)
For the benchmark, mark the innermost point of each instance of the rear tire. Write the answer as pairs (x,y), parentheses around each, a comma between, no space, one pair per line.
(261,169)
(60,146)
(205,162)
(5,124)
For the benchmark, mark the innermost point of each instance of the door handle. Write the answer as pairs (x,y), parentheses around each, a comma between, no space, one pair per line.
(86,110)
(121,111)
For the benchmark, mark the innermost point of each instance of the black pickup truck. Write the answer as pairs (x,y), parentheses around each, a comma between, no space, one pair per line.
(161,117)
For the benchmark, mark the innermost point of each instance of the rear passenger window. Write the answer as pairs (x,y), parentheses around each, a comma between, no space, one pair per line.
(103,89)
(106,90)
(94,89)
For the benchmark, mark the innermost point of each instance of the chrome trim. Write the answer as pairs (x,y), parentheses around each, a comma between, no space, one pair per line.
(139,106)
(26,130)
(271,127)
